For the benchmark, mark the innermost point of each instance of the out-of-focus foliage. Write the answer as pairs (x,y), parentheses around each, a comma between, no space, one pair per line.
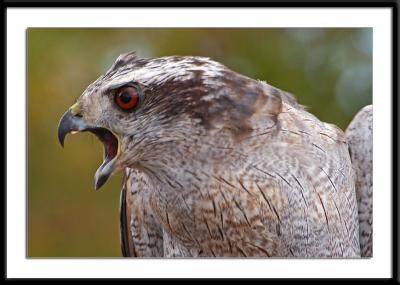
(328,70)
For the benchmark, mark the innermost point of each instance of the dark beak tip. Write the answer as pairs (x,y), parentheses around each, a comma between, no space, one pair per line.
(67,124)
(61,138)
(97,187)
(100,181)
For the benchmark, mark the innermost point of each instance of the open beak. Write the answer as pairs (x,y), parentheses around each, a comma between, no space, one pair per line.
(70,123)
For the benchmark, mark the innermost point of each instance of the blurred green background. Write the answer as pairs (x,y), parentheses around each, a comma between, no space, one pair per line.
(328,70)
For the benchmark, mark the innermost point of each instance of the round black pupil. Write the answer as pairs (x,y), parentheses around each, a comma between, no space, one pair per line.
(125,97)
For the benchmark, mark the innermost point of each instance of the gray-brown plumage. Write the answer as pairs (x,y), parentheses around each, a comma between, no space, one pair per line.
(359,137)
(218,164)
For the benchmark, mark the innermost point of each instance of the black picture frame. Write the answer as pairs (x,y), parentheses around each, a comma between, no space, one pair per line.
(215,4)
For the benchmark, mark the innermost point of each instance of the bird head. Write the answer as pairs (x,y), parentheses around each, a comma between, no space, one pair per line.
(143,110)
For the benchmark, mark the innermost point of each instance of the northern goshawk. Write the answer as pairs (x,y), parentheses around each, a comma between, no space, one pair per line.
(218,164)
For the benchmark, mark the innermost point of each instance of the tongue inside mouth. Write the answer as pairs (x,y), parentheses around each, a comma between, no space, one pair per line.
(110,143)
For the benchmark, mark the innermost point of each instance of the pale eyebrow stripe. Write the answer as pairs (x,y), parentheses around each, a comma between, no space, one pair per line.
(113,87)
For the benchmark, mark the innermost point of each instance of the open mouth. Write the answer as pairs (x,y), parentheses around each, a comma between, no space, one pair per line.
(111,148)
(110,143)
(70,123)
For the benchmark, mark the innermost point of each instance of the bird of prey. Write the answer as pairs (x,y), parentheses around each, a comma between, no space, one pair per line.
(217,164)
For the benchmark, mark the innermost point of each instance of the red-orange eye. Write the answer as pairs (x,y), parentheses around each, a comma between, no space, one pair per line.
(127,98)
